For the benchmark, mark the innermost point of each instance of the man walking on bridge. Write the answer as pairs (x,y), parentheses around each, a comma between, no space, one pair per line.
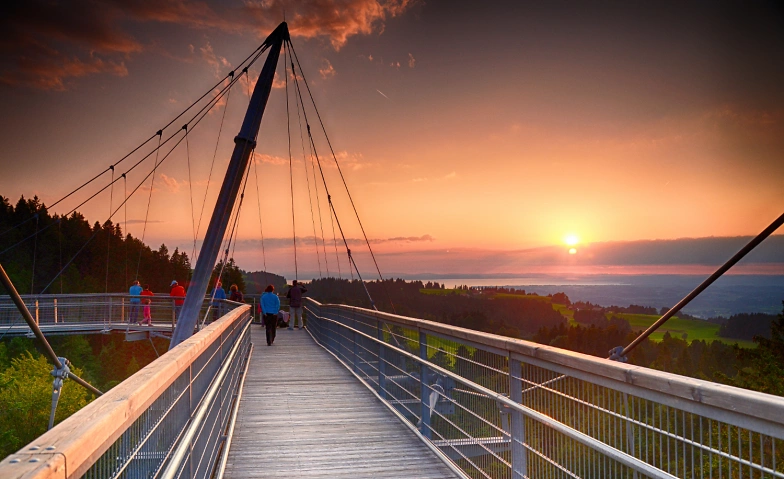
(295,303)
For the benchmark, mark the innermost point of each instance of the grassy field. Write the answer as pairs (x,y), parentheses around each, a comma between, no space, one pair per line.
(442,292)
(677,327)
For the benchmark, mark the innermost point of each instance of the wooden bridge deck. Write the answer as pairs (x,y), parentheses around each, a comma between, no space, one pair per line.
(302,414)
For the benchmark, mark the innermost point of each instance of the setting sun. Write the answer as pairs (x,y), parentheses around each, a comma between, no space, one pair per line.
(571,239)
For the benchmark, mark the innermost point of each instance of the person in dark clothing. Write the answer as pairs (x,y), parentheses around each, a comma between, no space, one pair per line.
(236,294)
(270,305)
(295,303)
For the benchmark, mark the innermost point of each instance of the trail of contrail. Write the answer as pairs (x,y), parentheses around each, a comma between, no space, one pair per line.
(382,94)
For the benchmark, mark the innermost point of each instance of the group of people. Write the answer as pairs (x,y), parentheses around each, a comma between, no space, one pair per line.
(141,297)
(270,307)
(137,293)
(270,304)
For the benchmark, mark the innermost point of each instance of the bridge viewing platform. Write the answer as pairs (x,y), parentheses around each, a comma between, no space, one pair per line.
(361,393)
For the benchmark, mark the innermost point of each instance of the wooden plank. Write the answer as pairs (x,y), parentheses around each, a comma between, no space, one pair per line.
(303,414)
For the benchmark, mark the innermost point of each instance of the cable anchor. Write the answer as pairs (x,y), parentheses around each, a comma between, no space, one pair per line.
(616,354)
(60,375)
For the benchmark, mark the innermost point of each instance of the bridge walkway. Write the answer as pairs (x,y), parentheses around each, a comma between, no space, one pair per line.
(303,414)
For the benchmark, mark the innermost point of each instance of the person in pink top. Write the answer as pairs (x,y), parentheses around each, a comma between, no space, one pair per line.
(146,301)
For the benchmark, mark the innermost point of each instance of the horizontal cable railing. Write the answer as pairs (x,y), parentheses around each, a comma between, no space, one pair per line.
(108,310)
(170,419)
(497,407)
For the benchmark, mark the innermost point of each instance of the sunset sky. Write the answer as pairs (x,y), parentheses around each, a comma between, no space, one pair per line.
(475,137)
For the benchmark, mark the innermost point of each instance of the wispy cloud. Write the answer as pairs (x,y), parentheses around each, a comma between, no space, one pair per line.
(326,70)
(411,61)
(171,184)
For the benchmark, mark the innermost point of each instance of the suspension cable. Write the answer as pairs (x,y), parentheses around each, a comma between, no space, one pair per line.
(310,198)
(329,197)
(149,199)
(125,188)
(334,157)
(109,232)
(35,251)
(204,114)
(190,188)
(291,169)
(214,156)
(200,112)
(258,201)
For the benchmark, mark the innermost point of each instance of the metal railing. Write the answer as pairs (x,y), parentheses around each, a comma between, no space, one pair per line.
(168,420)
(498,407)
(101,311)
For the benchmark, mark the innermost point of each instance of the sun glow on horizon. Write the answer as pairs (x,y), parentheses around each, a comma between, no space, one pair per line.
(571,239)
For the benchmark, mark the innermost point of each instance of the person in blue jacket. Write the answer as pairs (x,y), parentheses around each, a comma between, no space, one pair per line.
(136,302)
(270,305)
(218,293)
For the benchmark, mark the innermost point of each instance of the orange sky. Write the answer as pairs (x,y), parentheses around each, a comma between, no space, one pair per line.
(459,126)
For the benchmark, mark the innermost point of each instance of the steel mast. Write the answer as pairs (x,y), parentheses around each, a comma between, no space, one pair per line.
(245,142)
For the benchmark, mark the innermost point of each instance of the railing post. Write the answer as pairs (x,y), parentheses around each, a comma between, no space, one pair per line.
(517,432)
(382,370)
(122,309)
(424,427)
(55,310)
(36,312)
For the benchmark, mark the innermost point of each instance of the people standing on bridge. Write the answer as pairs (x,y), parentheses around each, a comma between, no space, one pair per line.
(218,295)
(270,305)
(147,302)
(177,291)
(236,294)
(295,304)
(135,290)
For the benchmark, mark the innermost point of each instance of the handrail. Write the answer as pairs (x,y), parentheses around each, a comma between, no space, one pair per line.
(73,446)
(495,404)
(733,399)
(615,454)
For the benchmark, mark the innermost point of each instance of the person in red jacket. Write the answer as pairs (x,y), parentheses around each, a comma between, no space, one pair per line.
(177,291)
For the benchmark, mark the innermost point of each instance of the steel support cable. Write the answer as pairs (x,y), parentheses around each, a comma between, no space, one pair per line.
(258,201)
(291,168)
(190,188)
(35,252)
(340,171)
(159,132)
(129,196)
(708,281)
(201,112)
(261,47)
(125,189)
(332,207)
(334,239)
(334,157)
(48,351)
(109,232)
(310,197)
(214,156)
(329,198)
(149,200)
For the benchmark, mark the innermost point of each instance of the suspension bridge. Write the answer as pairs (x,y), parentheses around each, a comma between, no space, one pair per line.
(363,393)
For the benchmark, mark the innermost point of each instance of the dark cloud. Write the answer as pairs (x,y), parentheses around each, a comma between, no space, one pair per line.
(44,44)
